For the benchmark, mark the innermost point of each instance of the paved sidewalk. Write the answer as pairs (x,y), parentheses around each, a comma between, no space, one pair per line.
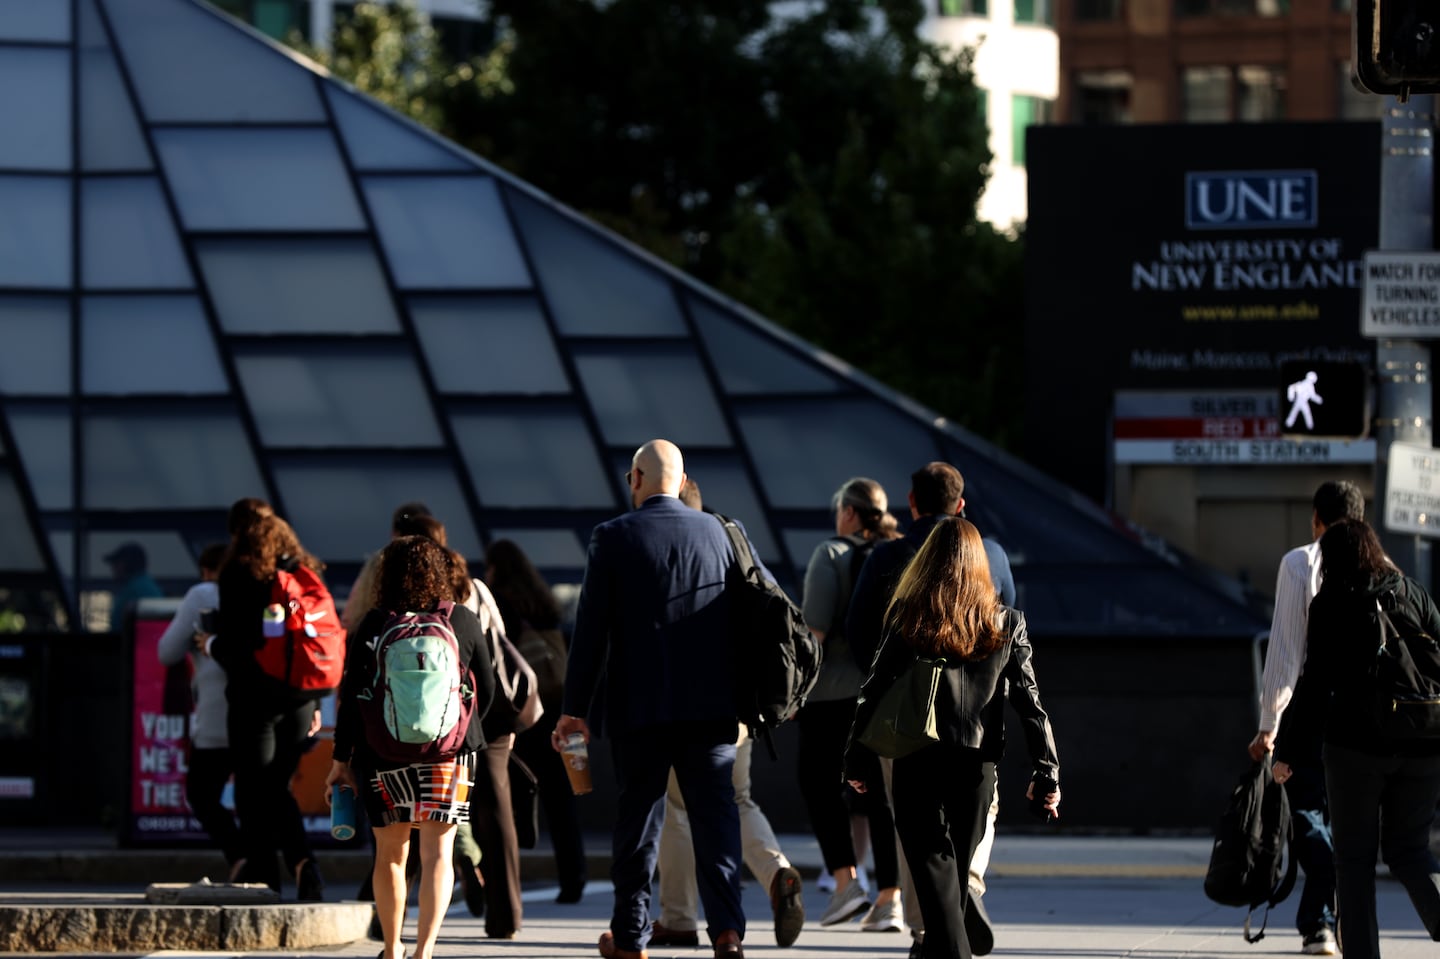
(1051,896)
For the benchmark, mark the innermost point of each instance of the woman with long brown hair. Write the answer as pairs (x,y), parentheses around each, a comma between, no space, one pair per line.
(268,723)
(945,607)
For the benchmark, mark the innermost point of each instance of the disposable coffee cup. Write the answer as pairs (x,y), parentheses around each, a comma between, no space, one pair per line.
(577,763)
(342,812)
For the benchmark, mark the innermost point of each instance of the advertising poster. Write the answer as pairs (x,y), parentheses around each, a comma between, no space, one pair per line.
(1191,258)
(160,743)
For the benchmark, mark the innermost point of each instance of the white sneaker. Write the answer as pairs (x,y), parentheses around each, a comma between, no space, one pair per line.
(889,917)
(845,905)
(826,882)
(1322,943)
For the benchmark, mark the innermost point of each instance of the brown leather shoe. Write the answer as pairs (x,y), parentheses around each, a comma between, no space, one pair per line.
(609,950)
(727,945)
(662,935)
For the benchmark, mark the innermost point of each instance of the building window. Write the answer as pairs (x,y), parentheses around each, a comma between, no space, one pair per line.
(1035,11)
(1223,94)
(1102,96)
(1025,112)
(1091,10)
(1232,8)
(966,8)
(1352,102)
(276,18)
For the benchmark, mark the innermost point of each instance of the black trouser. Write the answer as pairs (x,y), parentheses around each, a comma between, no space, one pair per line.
(492,819)
(267,736)
(557,800)
(942,798)
(205,778)
(824,730)
(1383,804)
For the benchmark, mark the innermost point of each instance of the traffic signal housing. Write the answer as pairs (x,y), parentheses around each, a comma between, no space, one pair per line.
(1324,399)
(1396,46)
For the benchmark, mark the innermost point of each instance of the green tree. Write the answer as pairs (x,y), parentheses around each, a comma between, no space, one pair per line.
(822,168)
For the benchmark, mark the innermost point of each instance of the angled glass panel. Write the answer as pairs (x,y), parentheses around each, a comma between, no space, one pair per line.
(348,527)
(337,396)
(62,547)
(35,108)
(186,459)
(29,20)
(34,346)
(19,552)
(35,231)
(644,391)
(1030,520)
(801,543)
(491,344)
(750,362)
(264,179)
(147,344)
(521,457)
(446,233)
(725,487)
(595,286)
(190,63)
(548,548)
(42,442)
(110,137)
(379,141)
(810,447)
(320,285)
(127,237)
(167,556)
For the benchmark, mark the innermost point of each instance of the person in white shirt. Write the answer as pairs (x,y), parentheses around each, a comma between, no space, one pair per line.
(1295,587)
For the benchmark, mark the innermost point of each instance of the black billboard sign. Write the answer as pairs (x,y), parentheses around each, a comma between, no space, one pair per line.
(1186,257)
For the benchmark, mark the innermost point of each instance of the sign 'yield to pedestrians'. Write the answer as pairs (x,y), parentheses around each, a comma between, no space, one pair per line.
(1412,490)
(1402,295)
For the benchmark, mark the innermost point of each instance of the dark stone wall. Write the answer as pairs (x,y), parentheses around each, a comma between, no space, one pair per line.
(1151,736)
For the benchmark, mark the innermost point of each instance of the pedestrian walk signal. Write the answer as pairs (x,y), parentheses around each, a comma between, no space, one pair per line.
(1324,399)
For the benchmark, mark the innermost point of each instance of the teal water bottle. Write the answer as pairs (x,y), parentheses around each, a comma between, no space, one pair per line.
(342,812)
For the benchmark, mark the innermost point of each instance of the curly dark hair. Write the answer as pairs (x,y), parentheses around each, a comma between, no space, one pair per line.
(267,543)
(415,574)
(520,591)
(245,511)
(423,524)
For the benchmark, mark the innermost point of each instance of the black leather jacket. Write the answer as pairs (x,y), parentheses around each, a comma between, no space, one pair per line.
(969,705)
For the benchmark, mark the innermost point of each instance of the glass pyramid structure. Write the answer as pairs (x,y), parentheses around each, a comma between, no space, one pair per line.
(224,273)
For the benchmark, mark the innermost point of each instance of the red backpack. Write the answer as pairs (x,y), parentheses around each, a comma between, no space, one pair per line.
(304,641)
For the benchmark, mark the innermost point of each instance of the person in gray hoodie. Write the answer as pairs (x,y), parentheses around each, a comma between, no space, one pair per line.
(209,763)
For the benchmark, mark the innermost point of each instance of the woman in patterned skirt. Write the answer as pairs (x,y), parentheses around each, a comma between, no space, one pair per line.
(431,798)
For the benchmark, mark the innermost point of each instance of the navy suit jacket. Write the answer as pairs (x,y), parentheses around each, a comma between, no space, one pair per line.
(881,574)
(652,630)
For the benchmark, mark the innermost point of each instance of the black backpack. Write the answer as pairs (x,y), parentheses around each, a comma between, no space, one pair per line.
(1250,842)
(777,659)
(1406,675)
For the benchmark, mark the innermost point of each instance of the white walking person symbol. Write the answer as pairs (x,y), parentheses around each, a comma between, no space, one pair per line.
(1301,394)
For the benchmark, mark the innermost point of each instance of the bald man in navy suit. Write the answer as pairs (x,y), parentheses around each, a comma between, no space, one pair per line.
(652,665)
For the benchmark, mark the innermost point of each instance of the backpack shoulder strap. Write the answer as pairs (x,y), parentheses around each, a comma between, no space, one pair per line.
(743,557)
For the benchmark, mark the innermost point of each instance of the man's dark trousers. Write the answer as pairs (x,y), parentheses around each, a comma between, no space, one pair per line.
(1312,846)
(703,757)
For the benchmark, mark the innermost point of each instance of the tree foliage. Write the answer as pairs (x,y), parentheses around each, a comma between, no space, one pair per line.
(823,167)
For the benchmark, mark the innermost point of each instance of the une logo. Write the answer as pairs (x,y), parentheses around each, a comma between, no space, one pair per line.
(1251,200)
